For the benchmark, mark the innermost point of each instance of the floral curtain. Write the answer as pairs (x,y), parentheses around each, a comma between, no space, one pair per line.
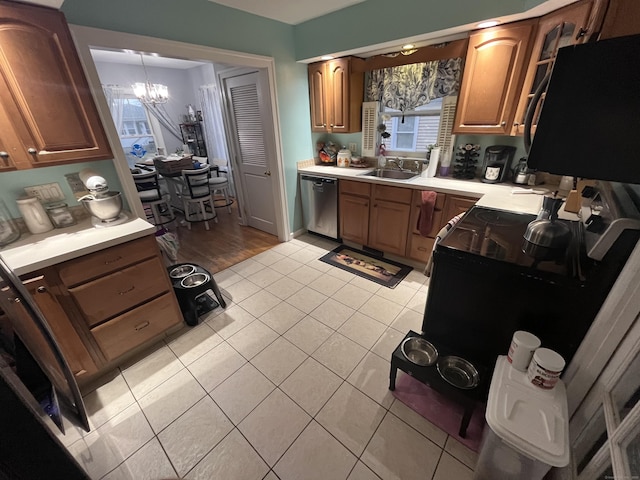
(406,87)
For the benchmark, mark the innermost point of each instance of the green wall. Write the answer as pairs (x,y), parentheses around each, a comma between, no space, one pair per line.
(368,23)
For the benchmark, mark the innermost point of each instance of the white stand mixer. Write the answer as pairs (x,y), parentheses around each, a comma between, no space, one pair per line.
(105,206)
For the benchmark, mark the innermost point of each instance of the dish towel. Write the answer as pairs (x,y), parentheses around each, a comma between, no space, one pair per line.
(450,224)
(425,219)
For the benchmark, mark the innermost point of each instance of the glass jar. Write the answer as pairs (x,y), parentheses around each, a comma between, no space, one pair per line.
(60,215)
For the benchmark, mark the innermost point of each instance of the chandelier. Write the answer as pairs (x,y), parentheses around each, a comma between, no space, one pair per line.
(150,93)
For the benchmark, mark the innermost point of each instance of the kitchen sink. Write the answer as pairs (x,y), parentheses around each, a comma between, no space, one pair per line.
(390,173)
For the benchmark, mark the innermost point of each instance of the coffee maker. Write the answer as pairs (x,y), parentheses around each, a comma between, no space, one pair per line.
(497,163)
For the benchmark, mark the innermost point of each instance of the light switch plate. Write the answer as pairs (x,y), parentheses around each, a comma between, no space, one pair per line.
(353,147)
(47,193)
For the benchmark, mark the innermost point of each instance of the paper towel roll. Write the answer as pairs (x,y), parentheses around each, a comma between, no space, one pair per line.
(433,163)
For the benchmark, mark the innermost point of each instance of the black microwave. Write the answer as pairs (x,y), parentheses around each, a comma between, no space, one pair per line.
(590,120)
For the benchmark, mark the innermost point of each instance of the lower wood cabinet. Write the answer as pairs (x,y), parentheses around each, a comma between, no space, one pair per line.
(103,305)
(385,217)
(389,219)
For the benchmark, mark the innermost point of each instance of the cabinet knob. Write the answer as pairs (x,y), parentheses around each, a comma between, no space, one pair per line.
(324,124)
(331,125)
(503,124)
(32,151)
(581,33)
(516,124)
(4,155)
(41,289)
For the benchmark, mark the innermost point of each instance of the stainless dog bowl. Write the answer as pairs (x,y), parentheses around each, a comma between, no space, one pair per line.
(458,372)
(417,350)
(194,280)
(182,271)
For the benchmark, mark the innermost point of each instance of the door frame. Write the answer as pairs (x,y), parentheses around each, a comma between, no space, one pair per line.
(87,37)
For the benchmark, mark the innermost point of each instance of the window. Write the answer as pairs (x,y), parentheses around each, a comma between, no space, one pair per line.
(136,127)
(414,131)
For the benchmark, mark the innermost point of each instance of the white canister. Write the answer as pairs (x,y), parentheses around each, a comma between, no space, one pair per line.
(344,157)
(545,368)
(34,216)
(523,344)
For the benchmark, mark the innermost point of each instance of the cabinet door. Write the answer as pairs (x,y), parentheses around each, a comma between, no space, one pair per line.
(75,352)
(8,142)
(44,91)
(338,109)
(389,226)
(456,205)
(493,75)
(556,30)
(354,218)
(318,97)
(621,19)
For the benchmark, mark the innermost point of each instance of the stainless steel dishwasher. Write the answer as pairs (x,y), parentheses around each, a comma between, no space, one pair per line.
(320,205)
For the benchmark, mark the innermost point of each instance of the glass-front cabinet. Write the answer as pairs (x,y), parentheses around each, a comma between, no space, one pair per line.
(607,425)
(564,27)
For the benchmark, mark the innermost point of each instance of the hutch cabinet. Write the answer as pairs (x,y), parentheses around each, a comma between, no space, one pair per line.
(192,136)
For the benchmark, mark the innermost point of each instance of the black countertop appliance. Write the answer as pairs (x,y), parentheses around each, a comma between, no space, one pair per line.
(496,166)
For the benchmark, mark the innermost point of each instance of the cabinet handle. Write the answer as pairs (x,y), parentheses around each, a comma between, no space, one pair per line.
(117,259)
(581,33)
(14,300)
(4,155)
(124,292)
(516,124)
(79,372)
(332,125)
(32,151)
(141,326)
(41,289)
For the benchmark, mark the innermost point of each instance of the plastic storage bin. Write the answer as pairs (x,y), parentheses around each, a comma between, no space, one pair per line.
(528,428)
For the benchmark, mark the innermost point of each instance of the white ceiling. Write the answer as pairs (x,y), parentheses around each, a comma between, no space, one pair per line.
(289,11)
(133,58)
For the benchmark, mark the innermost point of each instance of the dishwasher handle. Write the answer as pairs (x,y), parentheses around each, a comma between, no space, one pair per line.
(320,182)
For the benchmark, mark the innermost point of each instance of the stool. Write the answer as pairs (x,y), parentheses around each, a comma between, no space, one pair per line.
(198,193)
(153,199)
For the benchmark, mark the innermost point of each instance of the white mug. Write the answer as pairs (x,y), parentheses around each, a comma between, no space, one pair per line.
(492,173)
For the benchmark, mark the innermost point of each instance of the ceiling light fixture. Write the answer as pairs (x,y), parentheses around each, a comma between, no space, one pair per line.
(408,46)
(490,23)
(326,57)
(148,93)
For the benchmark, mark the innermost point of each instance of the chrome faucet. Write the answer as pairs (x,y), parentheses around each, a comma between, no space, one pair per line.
(397,162)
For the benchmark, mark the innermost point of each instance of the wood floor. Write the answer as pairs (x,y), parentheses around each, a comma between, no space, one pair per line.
(224,244)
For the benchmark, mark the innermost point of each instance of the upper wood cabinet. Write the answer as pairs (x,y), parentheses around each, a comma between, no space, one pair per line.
(621,18)
(47,113)
(567,26)
(336,92)
(493,75)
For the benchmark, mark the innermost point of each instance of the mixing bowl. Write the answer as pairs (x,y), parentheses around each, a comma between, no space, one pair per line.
(107,207)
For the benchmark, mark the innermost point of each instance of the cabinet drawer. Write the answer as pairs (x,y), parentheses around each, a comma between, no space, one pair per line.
(392,194)
(116,337)
(110,295)
(362,189)
(420,247)
(106,261)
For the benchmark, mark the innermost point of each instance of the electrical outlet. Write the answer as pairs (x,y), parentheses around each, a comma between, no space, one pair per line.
(77,187)
(47,193)
(353,147)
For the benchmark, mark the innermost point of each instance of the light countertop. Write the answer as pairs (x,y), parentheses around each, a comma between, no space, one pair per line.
(32,252)
(501,196)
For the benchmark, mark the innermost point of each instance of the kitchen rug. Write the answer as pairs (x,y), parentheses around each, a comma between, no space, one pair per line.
(379,270)
(439,410)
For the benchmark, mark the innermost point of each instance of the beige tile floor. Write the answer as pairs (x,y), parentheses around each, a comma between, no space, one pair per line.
(290,382)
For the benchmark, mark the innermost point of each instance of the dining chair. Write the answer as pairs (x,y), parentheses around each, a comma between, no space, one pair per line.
(218,183)
(156,203)
(197,195)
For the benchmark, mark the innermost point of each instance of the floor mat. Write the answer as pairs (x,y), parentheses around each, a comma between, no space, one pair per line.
(365,265)
(440,411)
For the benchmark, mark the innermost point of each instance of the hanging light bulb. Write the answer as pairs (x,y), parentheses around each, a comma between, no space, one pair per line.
(148,93)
